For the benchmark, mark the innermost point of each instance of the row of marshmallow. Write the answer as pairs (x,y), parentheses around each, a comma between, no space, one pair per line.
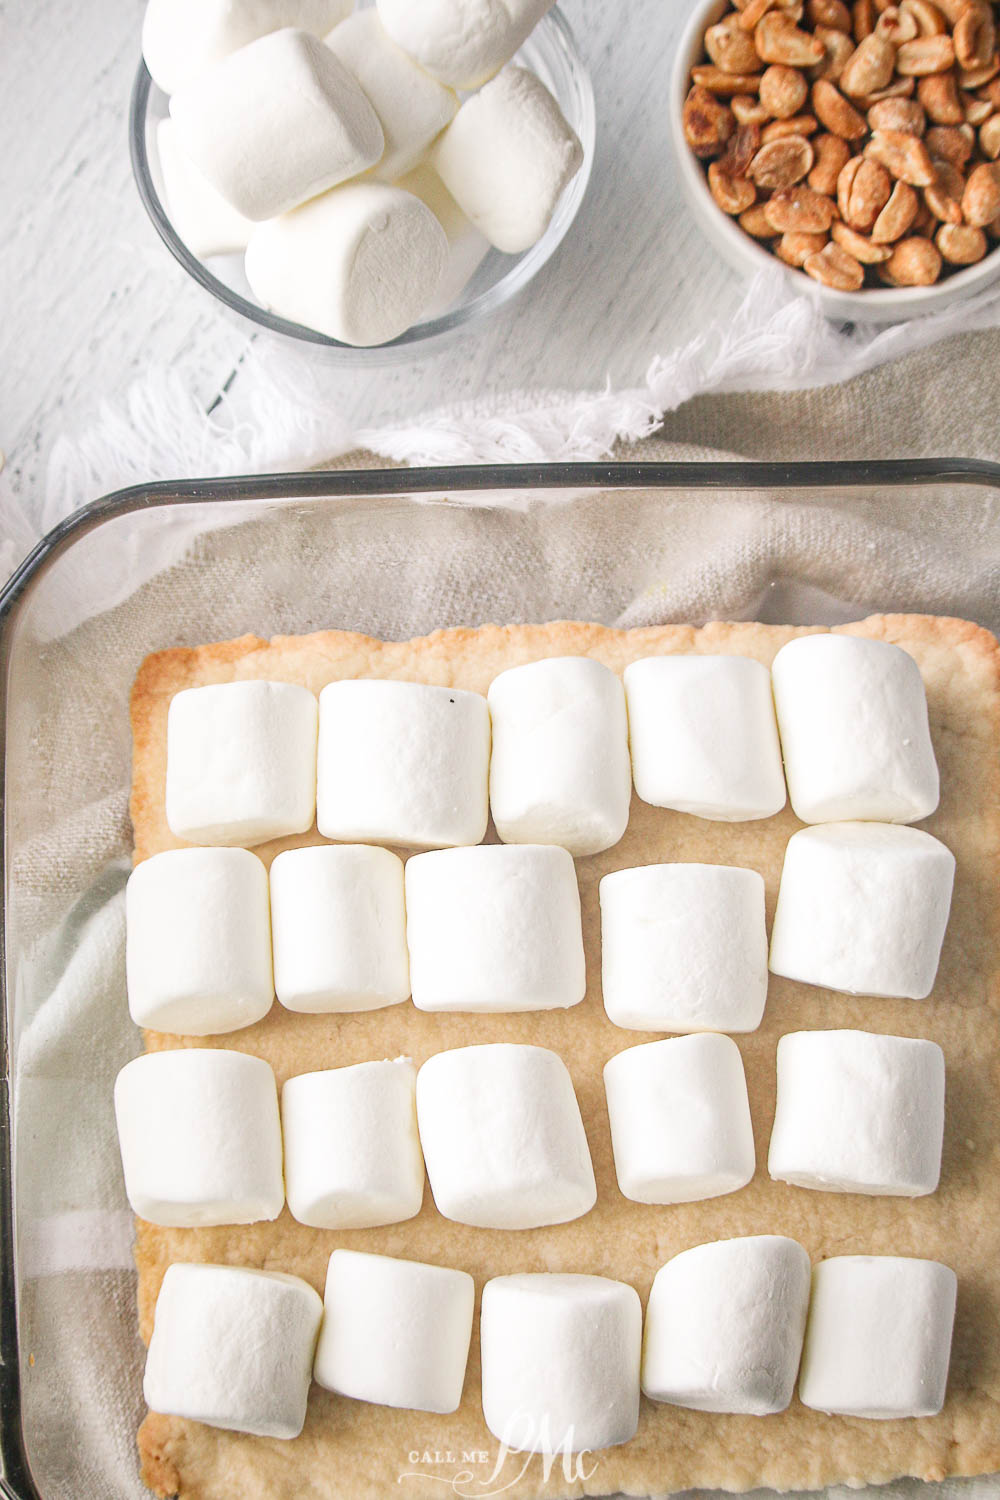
(862,908)
(202,1141)
(564,1356)
(410,764)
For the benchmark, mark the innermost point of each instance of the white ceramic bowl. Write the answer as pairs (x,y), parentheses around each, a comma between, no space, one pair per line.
(744,254)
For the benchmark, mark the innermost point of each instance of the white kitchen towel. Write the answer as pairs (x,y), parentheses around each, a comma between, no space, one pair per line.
(623,558)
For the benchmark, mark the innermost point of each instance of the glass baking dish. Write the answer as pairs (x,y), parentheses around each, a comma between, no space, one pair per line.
(392,554)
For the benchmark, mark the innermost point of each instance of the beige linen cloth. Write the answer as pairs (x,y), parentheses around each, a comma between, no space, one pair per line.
(622,559)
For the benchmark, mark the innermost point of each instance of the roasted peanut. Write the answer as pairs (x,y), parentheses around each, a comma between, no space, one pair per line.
(832,13)
(928,54)
(898,114)
(783,91)
(904,156)
(897,216)
(896,26)
(989,138)
(833,267)
(977,111)
(740,151)
(869,68)
(797,125)
(863,190)
(707,123)
(926,17)
(752,11)
(719,82)
(734,195)
(748,110)
(974,78)
(952,143)
(779,164)
(795,249)
(993,229)
(831,154)
(981,199)
(798,208)
(944,197)
(730,48)
(837,48)
(863,19)
(859,245)
(900,88)
(950,9)
(939,97)
(974,36)
(778,40)
(754,222)
(835,113)
(914,262)
(961,244)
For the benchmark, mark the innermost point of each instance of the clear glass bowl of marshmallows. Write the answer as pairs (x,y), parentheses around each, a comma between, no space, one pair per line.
(294,156)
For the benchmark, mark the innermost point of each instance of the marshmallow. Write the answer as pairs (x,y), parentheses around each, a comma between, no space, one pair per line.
(560,1361)
(878,1340)
(465,43)
(503,1138)
(704,737)
(352,1157)
(852,714)
(467,248)
(233,1347)
(206,223)
(396,1332)
(276,123)
(495,928)
(241,762)
(684,948)
(680,1119)
(560,771)
(506,158)
(724,1326)
(359,264)
(198,941)
(180,38)
(858,1113)
(402,763)
(200,1137)
(339,928)
(412,107)
(863,907)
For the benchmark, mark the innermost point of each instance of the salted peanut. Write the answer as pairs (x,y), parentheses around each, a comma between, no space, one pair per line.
(991,91)
(952,143)
(831,156)
(832,13)
(733,194)
(798,209)
(939,97)
(914,262)
(989,138)
(778,40)
(833,267)
(752,11)
(899,88)
(926,17)
(707,123)
(859,245)
(924,221)
(993,229)
(896,26)
(904,156)
(740,151)
(783,91)
(835,113)
(944,197)
(906,115)
(778,130)
(863,18)
(837,48)
(981,199)
(863,190)
(961,244)
(869,68)
(795,249)
(755,223)
(897,216)
(974,36)
(974,78)
(781,163)
(977,111)
(717,81)
(730,47)
(926,55)
(748,110)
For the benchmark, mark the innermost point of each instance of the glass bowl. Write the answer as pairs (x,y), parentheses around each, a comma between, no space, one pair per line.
(550,52)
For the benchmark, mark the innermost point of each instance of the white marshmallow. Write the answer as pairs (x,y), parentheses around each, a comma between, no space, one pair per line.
(233,1347)
(352,1157)
(863,907)
(684,948)
(200,1137)
(724,1326)
(878,1340)
(402,763)
(198,941)
(359,264)
(276,123)
(852,715)
(680,1119)
(495,928)
(180,38)
(858,1113)
(241,762)
(503,1138)
(206,223)
(467,248)
(412,107)
(560,1361)
(560,771)
(396,1332)
(507,157)
(704,737)
(339,928)
(462,42)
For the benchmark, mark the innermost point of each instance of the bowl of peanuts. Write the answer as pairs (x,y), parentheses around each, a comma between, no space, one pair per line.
(855,142)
